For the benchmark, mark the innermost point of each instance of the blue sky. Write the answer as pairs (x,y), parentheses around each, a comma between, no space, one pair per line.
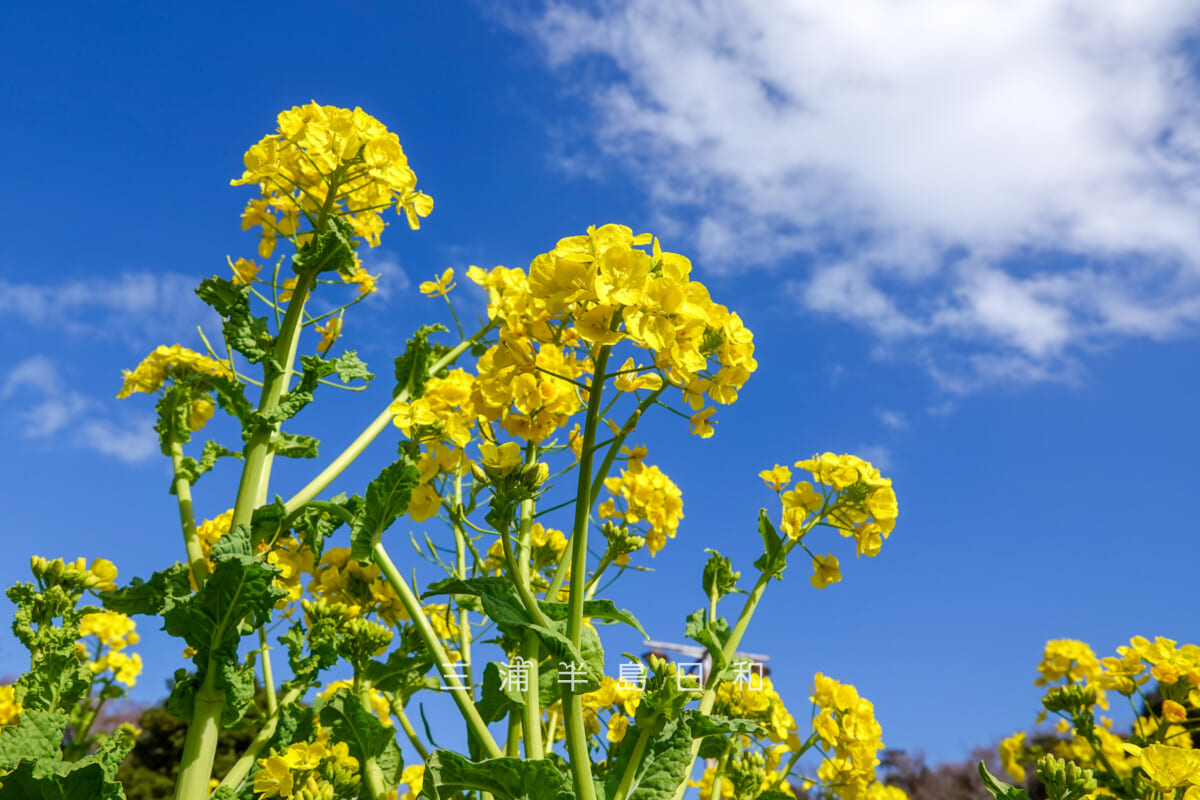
(965,236)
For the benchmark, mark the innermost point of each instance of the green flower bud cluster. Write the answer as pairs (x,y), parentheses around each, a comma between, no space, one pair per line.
(361,640)
(1064,780)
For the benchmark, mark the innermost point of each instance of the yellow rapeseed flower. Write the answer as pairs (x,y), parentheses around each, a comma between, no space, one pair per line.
(440,286)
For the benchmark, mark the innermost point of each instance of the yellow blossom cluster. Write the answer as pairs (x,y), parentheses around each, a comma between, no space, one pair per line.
(646,494)
(308,770)
(9,707)
(341,579)
(114,632)
(602,288)
(529,393)
(851,736)
(170,362)
(292,559)
(414,778)
(621,697)
(445,407)
(322,149)
(755,698)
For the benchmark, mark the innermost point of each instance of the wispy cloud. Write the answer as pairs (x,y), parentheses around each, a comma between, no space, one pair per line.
(50,409)
(138,308)
(393,280)
(892,419)
(1013,180)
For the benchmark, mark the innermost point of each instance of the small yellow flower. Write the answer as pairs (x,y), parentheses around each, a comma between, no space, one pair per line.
(1173,712)
(274,779)
(825,571)
(289,287)
(245,271)
(776,478)
(701,425)
(439,287)
(329,333)
(201,412)
(414,778)
(502,459)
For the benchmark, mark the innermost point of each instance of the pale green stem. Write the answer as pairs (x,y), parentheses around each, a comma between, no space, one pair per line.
(530,647)
(719,775)
(200,747)
(187,520)
(268,675)
(372,773)
(407,726)
(238,772)
(513,742)
(462,698)
(253,485)
(635,760)
(551,731)
(355,449)
(729,651)
(577,739)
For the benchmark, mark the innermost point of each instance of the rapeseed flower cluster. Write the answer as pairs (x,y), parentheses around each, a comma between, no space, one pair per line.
(850,735)
(757,699)
(338,578)
(169,362)
(9,707)
(317,770)
(602,288)
(318,150)
(547,546)
(643,493)
(114,632)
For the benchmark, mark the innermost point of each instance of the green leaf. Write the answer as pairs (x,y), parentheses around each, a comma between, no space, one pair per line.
(719,579)
(149,597)
(387,498)
(327,251)
(37,735)
(717,725)
(603,610)
(363,733)
(412,368)
(314,523)
(266,525)
(239,594)
(998,788)
(401,674)
(290,445)
(664,766)
(713,635)
(40,773)
(497,696)
(350,367)
(589,654)
(774,559)
(498,596)
(192,470)
(245,333)
(448,773)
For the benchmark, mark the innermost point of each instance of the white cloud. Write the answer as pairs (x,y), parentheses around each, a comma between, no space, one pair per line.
(139,308)
(937,161)
(879,456)
(131,442)
(386,264)
(892,418)
(49,406)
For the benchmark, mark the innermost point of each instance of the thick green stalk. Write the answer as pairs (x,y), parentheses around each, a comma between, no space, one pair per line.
(187,520)
(463,698)
(255,470)
(577,742)
(407,726)
(530,647)
(200,747)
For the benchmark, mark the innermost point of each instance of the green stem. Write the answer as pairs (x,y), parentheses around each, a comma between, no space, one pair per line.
(409,731)
(728,652)
(355,448)
(372,773)
(195,768)
(238,772)
(462,698)
(577,741)
(268,675)
(551,731)
(187,520)
(635,760)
